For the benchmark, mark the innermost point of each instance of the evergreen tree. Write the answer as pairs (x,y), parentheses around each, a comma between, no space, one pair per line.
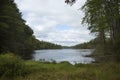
(15,35)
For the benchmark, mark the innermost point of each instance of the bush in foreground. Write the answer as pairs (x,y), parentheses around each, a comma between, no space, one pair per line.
(11,66)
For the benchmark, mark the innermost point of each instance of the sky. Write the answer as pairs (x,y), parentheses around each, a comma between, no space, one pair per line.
(54,21)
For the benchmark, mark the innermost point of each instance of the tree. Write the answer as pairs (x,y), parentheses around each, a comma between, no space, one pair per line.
(15,35)
(46,45)
(103,16)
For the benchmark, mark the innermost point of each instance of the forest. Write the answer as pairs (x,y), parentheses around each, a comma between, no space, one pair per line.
(17,43)
(86,45)
(15,35)
(103,19)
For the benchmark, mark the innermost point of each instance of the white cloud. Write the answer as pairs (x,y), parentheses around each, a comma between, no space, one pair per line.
(43,16)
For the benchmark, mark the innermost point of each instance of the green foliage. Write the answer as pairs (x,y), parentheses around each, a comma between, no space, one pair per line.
(46,45)
(11,66)
(14,68)
(64,71)
(87,45)
(102,17)
(15,35)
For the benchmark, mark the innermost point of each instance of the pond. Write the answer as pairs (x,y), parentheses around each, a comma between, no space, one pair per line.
(73,56)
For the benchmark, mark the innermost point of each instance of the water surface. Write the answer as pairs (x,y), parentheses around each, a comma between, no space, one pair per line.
(71,55)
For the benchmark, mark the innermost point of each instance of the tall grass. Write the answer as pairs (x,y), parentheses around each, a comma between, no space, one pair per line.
(66,71)
(11,66)
(14,66)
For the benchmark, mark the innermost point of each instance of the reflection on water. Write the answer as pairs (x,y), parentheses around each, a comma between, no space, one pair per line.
(71,55)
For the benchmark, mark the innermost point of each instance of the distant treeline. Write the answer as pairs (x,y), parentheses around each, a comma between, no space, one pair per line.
(15,35)
(46,45)
(86,45)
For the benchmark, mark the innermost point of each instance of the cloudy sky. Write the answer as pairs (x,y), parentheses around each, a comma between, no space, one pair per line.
(55,21)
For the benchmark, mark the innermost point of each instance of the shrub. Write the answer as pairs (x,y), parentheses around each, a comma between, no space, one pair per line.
(11,66)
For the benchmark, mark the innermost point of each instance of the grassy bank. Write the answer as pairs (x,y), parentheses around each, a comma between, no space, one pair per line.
(66,71)
(35,70)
